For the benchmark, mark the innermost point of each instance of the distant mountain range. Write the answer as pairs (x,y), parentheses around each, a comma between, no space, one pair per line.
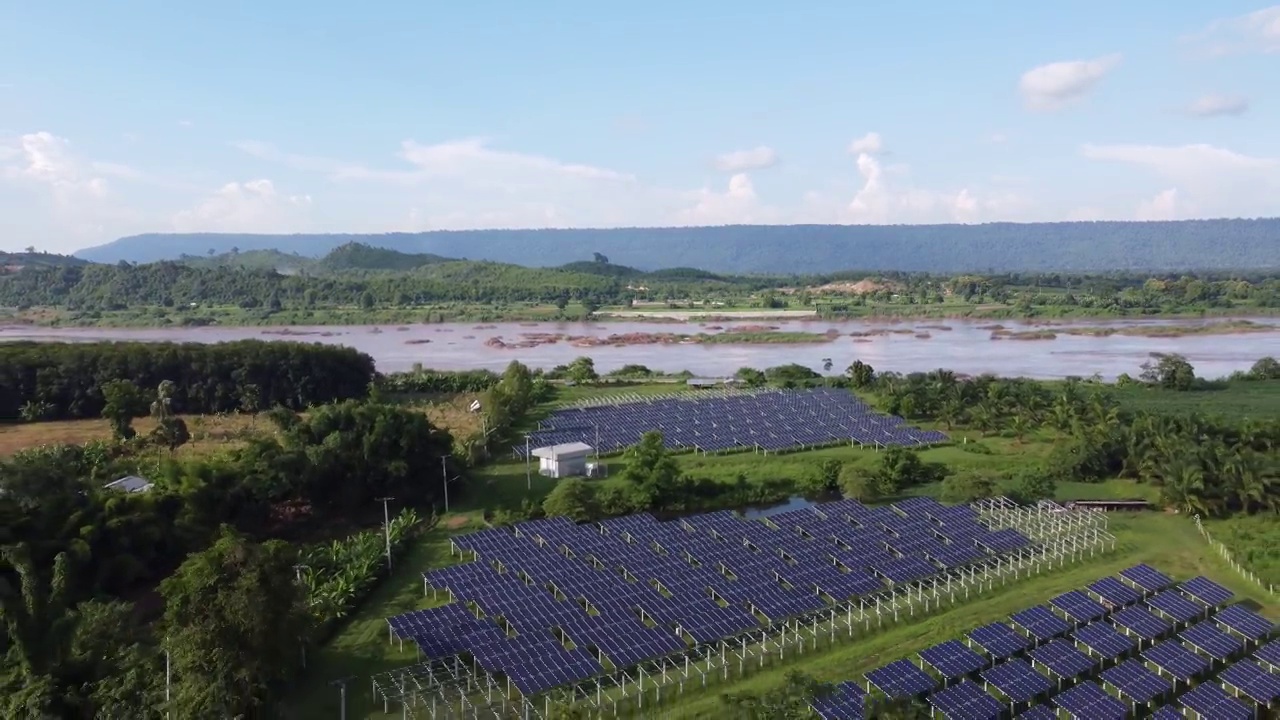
(776,249)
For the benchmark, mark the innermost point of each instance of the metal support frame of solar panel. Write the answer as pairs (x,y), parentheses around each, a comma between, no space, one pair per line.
(1087,701)
(1175,659)
(965,701)
(1017,680)
(1269,655)
(1136,682)
(1252,681)
(1210,701)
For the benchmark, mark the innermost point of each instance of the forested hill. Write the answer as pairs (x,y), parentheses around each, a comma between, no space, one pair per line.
(1000,247)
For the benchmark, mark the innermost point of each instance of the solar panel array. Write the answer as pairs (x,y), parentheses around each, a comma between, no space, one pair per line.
(1044,658)
(771,420)
(633,588)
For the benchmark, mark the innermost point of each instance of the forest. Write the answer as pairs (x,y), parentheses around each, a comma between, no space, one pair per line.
(46,381)
(363,278)
(1238,244)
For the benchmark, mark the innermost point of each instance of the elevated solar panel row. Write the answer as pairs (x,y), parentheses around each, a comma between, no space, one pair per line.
(1253,682)
(1017,680)
(1211,701)
(1087,701)
(966,701)
(1136,682)
(1174,658)
(953,659)
(1244,621)
(1063,659)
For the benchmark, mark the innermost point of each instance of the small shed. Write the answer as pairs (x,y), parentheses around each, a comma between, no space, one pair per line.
(129,483)
(564,460)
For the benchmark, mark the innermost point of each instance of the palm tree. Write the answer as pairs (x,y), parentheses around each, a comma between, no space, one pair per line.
(1183,484)
(40,624)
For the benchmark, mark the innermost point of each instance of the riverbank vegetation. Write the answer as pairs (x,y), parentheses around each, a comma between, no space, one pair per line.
(358,284)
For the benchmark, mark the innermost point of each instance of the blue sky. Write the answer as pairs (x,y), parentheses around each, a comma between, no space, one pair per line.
(127,117)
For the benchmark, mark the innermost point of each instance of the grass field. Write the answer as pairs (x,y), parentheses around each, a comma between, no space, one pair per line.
(209,433)
(1169,542)
(1238,399)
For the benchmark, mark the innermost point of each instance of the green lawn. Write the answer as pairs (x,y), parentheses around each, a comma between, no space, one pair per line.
(1260,399)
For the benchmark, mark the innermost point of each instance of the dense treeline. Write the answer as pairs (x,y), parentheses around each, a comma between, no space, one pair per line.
(996,247)
(66,380)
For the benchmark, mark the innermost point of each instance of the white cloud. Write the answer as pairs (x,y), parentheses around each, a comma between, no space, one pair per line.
(1179,160)
(1164,206)
(1210,181)
(46,159)
(881,201)
(1056,85)
(185,123)
(869,144)
(253,206)
(1214,105)
(757,158)
(738,204)
(1255,32)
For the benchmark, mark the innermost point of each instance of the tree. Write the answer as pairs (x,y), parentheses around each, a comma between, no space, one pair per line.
(598,258)
(582,370)
(39,627)
(967,487)
(367,300)
(1267,368)
(123,403)
(859,484)
(652,469)
(792,701)
(35,410)
(1170,371)
(1032,486)
(750,377)
(233,623)
(573,498)
(860,374)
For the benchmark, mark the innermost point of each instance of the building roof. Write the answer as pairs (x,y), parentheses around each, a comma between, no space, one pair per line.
(129,483)
(563,450)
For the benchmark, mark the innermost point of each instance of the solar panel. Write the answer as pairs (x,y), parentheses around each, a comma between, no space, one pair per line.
(1079,607)
(1141,622)
(1244,621)
(1269,653)
(1136,682)
(1206,591)
(1175,659)
(1168,712)
(1207,638)
(999,640)
(901,678)
(1063,659)
(1104,640)
(1146,577)
(1175,606)
(966,701)
(1039,712)
(1211,701)
(953,659)
(1087,701)
(1017,680)
(1259,685)
(846,703)
(1040,622)
(1115,592)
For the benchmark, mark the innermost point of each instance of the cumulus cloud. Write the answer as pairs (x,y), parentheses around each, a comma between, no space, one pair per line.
(253,206)
(1164,206)
(1055,85)
(1217,181)
(1255,32)
(757,158)
(869,144)
(1215,105)
(1179,160)
(737,204)
(46,159)
(881,201)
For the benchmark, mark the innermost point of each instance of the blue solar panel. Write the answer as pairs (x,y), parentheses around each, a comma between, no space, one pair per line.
(1141,622)
(1087,701)
(1175,606)
(999,640)
(1039,712)
(846,703)
(1115,592)
(1040,622)
(1244,621)
(1146,577)
(1064,659)
(1017,680)
(901,678)
(1212,702)
(1079,607)
(1207,638)
(1257,684)
(966,701)
(1168,712)
(1175,659)
(1206,591)
(1269,653)
(953,659)
(1104,640)
(1136,682)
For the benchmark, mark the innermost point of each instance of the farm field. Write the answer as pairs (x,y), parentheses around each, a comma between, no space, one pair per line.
(1260,400)
(1168,542)
(209,433)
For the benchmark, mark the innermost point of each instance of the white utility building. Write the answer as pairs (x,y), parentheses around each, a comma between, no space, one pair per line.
(565,460)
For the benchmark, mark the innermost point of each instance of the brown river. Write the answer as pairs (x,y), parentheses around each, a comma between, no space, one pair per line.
(907,346)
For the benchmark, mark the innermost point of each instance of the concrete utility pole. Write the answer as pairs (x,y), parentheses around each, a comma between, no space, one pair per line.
(528,472)
(444,479)
(341,684)
(386,531)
